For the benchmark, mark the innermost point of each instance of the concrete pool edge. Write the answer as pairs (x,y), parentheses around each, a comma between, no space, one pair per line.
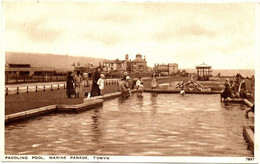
(88,103)
(178,91)
(248,134)
(80,107)
(30,113)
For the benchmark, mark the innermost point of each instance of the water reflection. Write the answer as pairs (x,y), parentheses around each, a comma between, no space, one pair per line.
(153,103)
(95,125)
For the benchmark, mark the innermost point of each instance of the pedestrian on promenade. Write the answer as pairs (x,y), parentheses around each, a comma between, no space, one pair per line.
(70,85)
(154,81)
(95,91)
(100,83)
(78,80)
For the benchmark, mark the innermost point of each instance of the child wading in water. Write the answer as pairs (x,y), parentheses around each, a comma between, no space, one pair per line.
(100,83)
(140,87)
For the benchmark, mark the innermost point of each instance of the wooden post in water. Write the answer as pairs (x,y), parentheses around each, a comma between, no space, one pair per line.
(17,90)
(36,88)
(58,87)
(64,86)
(43,88)
(6,91)
(27,89)
(51,87)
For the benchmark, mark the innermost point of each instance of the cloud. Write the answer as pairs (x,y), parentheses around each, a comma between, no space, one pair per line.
(185,33)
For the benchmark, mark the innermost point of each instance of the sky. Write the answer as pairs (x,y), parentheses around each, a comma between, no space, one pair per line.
(219,34)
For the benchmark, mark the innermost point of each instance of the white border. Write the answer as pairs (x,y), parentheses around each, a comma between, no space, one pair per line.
(146,158)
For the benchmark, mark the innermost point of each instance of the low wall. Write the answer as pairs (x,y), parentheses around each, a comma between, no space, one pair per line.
(30,113)
(88,103)
(248,134)
(178,91)
(80,107)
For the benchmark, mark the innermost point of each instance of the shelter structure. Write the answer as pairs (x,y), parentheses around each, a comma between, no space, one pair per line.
(203,72)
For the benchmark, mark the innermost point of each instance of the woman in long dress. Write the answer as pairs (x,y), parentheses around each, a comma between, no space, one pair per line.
(70,85)
(95,91)
(154,81)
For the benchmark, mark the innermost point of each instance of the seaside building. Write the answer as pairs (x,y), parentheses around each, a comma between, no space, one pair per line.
(137,65)
(166,69)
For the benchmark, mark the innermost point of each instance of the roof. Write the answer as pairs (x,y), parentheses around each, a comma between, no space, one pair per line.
(138,60)
(203,65)
(113,61)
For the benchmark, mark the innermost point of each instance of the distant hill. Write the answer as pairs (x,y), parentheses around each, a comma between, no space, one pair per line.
(59,62)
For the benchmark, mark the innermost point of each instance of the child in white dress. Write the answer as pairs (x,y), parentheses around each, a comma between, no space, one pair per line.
(100,83)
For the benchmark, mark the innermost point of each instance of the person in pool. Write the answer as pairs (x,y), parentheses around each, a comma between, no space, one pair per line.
(124,87)
(227,91)
(140,86)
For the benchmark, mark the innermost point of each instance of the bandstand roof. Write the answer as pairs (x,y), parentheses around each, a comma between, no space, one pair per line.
(203,65)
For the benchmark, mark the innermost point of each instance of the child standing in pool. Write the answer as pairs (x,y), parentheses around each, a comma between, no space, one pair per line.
(140,87)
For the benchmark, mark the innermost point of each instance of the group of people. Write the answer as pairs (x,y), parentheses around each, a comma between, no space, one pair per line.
(75,84)
(126,84)
(234,89)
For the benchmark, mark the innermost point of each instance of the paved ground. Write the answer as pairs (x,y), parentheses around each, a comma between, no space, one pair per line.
(25,101)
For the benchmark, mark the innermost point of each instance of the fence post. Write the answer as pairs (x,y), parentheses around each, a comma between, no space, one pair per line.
(58,87)
(6,91)
(43,88)
(27,89)
(17,90)
(51,87)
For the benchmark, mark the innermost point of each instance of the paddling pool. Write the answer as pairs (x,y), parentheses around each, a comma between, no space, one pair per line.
(154,125)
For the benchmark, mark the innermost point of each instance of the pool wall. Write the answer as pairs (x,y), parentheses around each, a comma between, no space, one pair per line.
(88,103)
(178,91)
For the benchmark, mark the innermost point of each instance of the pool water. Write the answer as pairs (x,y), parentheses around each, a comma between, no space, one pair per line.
(154,125)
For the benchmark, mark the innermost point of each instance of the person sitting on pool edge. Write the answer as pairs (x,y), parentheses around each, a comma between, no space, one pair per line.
(251,109)
(226,92)
(124,87)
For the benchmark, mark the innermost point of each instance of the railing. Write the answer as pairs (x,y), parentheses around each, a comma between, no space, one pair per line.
(36,88)
(48,87)
(11,79)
